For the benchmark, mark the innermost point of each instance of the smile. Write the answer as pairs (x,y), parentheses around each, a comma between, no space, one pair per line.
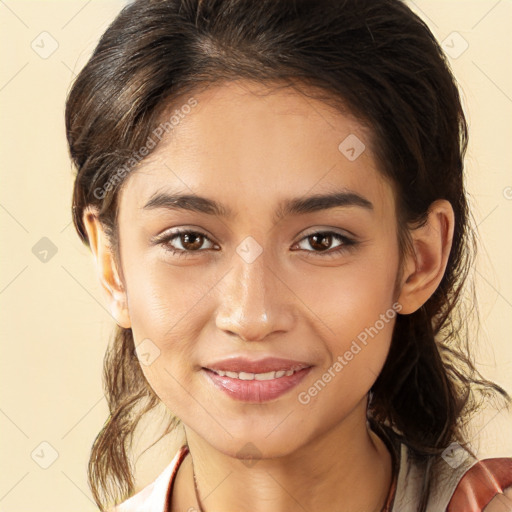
(255,387)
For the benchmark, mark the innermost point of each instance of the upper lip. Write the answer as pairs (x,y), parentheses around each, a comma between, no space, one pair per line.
(267,364)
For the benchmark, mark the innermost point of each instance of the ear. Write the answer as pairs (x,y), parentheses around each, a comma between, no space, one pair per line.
(106,268)
(424,267)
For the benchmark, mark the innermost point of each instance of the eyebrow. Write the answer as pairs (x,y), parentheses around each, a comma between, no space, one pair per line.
(296,206)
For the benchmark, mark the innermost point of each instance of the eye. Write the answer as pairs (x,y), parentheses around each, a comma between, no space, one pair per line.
(184,242)
(180,242)
(322,241)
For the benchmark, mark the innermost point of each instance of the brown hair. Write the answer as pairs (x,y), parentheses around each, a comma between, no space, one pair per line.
(375,58)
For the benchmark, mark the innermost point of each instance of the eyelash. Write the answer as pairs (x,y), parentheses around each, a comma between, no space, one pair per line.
(347,243)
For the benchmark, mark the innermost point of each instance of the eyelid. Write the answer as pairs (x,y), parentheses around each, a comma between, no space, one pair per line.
(327,229)
(173,232)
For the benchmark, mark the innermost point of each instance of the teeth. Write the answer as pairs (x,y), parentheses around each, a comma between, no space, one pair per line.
(265,376)
(256,376)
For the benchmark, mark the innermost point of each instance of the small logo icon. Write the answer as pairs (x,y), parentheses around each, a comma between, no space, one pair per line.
(45,45)
(454,45)
(44,250)
(147,352)
(249,249)
(44,455)
(455,455)
(352,147)
(249,455)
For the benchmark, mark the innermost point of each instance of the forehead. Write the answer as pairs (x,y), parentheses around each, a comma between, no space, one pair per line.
(244,143)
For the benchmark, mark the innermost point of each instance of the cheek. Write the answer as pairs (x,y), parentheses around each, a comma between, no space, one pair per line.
(163,299)
(169,307)
(356,358)
(351,297)
(355,314)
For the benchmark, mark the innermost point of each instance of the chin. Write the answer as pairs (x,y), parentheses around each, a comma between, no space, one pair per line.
(251,446)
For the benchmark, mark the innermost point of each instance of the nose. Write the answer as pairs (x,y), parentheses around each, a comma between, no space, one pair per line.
(254,301)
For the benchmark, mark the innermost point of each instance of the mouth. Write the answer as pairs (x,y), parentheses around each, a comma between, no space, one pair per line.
(256,381)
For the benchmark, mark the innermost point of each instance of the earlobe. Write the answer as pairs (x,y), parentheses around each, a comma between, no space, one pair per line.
(425,266)
(106,268)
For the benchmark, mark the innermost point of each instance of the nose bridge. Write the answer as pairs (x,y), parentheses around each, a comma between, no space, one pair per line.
(252,304)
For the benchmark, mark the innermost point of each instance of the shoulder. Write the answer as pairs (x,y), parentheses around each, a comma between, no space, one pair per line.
(487,484)
(464,484)
(153,498)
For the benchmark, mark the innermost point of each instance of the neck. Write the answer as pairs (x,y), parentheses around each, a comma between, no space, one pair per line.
(347,469)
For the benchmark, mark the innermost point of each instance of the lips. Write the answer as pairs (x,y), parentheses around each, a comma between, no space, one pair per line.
(256,381)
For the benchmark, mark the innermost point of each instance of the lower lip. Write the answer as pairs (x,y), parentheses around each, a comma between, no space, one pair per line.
(256,390)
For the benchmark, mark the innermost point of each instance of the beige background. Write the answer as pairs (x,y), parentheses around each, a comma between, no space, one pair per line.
(54,327)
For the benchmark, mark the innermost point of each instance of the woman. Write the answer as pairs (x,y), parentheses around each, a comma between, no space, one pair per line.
(273,193)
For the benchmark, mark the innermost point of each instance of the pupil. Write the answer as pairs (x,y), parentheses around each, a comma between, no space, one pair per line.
(186,239)
(325,241)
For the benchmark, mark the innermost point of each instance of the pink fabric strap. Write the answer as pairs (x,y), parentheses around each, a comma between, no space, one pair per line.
(480,484)
(183,452)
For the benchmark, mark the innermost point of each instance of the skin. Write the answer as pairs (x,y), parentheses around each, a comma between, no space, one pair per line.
(502,502)
(249,152)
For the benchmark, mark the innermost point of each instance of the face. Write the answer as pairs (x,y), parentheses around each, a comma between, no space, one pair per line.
(261,274)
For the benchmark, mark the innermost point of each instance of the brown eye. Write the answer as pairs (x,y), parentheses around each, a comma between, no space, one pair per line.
(191,241)
(322,241)
(182,242)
